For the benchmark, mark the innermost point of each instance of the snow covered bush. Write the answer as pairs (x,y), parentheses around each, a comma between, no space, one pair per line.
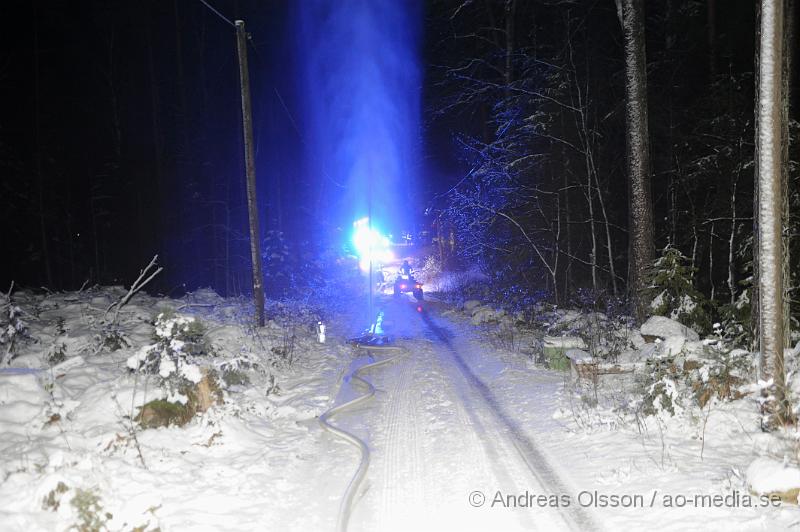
(431,269)
(57,353)
(736,316)
(664,393)
(180,340)
(736,321)
(604,323)
(673,293)
(180,343)
(90,513)
(673,384)
(719,375)
(112,338)
(12,329)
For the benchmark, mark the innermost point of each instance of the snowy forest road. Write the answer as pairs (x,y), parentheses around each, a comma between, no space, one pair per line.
(446,454)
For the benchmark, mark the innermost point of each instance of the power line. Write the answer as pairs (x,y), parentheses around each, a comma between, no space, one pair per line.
(217,13)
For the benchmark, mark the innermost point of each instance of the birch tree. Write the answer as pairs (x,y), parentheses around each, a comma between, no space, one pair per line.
(769,207)
(641,248)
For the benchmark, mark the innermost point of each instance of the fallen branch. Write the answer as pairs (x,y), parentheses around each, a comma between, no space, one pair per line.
(83,286)
(137,285)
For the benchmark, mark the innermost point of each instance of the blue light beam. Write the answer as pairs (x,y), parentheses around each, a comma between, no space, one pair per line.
(361,92)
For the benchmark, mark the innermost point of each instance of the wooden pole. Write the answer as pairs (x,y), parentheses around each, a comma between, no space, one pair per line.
(250,172)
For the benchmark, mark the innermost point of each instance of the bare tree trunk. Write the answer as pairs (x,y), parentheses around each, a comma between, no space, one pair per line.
(568,221)
(770,204)
(788,43)
(711,262)
(556,250)
(590,201)
(641,211)
(731,271)
(611,268)
(582,129)
(510,8)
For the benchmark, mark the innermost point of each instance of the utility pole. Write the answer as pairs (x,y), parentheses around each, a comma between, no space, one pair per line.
(250,172)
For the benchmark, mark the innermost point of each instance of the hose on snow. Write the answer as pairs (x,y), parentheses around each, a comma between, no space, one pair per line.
(346,504)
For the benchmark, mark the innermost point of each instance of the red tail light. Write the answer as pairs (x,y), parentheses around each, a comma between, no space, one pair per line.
(403,286)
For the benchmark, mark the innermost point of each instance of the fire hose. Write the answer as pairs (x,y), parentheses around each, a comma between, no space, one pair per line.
(346,504)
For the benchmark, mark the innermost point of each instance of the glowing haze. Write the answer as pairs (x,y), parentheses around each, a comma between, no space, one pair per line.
(361,103)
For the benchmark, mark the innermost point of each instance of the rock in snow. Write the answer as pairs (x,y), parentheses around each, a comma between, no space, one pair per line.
(663,327)
(564,342)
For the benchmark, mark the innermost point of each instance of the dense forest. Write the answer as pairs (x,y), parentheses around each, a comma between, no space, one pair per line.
(538,101)
(147,155)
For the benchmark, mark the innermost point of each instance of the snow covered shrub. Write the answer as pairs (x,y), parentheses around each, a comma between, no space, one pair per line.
(184,334)
(431,269)
(52,500)
(284,348)
(719,375)
(736,317)
(290,317)
(673,294)
(91,517)
(604,323)
(736,323)
(180,340)
(180,343)
(294,313)
(716,372)
(112,339)
(57,353)
(664,393)
(12,330)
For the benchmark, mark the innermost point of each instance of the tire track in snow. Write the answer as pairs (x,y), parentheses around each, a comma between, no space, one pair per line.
(575,518)
(430,450)
(391,476)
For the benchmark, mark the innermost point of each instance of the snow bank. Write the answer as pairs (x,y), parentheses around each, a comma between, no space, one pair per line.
(663,327)
(66,428)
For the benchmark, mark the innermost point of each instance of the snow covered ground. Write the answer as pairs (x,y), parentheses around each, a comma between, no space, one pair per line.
(66,434)
(465,431)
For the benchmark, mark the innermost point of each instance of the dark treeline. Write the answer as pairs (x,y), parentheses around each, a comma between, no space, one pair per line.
(120,138)
(536,94)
